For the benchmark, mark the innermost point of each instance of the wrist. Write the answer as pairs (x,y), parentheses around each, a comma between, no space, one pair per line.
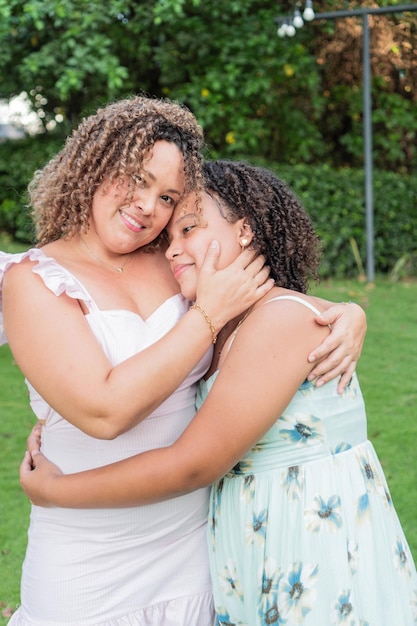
(207,319)
(51,491)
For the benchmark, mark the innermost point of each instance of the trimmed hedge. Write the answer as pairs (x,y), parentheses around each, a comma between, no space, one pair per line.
(335,201)
(18,161)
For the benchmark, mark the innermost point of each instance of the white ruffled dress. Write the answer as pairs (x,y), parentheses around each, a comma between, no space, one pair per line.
(143,566)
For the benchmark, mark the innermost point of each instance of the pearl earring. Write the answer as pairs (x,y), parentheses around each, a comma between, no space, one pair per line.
(243,243)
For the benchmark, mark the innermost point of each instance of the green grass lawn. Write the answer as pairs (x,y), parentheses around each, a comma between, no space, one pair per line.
(388,375)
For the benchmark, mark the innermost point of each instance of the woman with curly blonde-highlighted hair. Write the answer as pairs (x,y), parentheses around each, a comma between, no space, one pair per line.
(112,351)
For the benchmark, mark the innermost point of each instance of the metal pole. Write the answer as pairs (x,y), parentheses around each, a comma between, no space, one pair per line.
(367,114)
(398,8)
(367,137)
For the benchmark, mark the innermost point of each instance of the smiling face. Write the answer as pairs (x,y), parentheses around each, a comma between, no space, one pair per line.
(123,220)
(190,233)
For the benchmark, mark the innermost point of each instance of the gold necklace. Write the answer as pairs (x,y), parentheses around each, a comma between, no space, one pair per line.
(118,268)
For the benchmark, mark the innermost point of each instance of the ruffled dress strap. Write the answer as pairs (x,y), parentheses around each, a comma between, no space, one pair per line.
(55,277)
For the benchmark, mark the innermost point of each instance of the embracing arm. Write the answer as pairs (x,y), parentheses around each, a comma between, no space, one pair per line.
(340,351)
(242,405)
(57,352)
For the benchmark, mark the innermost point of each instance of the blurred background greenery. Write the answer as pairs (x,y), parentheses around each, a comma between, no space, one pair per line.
(292,104)
(295,104)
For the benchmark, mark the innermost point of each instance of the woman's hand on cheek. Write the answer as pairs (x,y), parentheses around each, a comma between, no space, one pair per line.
(226,293)
(340,352)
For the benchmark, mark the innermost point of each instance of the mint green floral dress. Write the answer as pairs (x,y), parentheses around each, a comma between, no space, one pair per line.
(302,531)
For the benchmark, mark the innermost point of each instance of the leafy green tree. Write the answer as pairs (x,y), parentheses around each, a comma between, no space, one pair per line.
(288,100)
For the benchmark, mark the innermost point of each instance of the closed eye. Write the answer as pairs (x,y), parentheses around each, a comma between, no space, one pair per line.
(187,229)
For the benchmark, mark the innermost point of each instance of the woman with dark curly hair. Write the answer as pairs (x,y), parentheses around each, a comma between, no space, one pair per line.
(302,529)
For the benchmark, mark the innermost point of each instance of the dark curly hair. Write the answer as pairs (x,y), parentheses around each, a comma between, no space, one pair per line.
(282,230)
(108,145)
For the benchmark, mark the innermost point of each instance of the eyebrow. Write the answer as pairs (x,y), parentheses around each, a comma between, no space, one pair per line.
(184,217)
(152,177)
(178,221)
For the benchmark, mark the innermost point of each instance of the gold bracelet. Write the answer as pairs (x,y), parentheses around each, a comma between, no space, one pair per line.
(197,307)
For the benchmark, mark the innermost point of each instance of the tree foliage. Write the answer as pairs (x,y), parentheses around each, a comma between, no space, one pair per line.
(288,100)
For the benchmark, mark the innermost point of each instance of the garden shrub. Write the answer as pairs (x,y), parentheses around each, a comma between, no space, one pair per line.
(18,161)
(335,200)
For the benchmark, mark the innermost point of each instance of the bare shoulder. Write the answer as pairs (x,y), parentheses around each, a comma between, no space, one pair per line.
(282,304)
(268,358)
(18,272)
(284,318)
(21,284)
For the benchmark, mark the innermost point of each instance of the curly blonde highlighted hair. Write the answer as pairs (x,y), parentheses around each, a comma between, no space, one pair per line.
(108,145)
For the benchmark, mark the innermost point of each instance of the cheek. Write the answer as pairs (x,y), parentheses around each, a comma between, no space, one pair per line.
(196,256)
(162,218)
(229,251)
(107,198)
(198,250)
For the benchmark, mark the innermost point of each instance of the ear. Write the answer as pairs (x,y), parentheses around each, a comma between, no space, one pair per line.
(245,234)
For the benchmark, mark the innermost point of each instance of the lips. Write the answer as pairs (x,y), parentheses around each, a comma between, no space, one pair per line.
(178,270)
(130,222)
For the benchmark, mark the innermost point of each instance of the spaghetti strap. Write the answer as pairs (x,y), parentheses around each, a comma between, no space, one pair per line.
(296,299)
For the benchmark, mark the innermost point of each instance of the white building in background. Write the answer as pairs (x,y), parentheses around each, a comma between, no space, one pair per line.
(16,118)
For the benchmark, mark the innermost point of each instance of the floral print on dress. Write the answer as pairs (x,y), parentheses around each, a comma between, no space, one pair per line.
(353,556)
(244,466)
(324,515)
(255,530)
(271,575)
(369,472)
(341,447)
(310,526)
(401,560)
(363,508)
(217,490)
(247,488)
(293,481)
(223,619)
(343,612)
(297,591)
(301,429)
(388,499)
(350,391)
(229,581)
(307,388)
(270,615)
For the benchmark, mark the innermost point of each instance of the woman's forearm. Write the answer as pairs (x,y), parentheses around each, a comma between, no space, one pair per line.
(143,479)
